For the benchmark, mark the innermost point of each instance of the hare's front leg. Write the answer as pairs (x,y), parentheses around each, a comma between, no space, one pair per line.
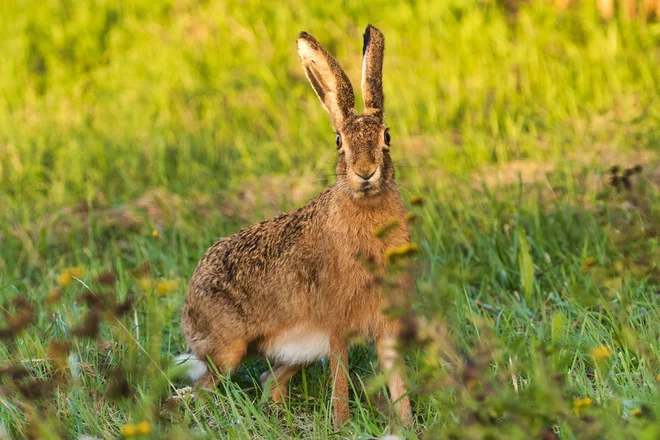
(226,357)
(339,371)
(389,358)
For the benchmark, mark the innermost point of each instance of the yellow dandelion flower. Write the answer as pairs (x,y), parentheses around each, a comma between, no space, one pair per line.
(637,412)
(406,250)
(600,353)
(68,274)
(166,286)
(382,230)
(64,279)
(144,427)
(581,403)
(145,283)
(155,233)
(128,430)
(657,378)
(411,217)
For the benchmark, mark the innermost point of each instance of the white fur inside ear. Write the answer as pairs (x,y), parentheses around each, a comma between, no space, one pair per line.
(305,50)
(365,66)
(316,61)
(195,368)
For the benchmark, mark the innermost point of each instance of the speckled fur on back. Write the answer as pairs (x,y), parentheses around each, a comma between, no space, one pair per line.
(295,287)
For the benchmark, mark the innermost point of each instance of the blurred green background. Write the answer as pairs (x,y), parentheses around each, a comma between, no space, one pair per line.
(102,99)
(139,132)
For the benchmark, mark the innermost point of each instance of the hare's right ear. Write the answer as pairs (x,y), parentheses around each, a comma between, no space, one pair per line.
(328,80)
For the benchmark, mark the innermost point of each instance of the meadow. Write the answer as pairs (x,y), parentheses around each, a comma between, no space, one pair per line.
(526,141)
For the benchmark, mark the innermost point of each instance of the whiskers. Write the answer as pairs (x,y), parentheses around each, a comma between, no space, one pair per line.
(327,176)
(344,187)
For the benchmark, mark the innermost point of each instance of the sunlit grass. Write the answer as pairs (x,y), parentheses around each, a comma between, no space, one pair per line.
(132,138)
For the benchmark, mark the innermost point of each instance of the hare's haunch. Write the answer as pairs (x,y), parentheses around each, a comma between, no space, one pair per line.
(295,288)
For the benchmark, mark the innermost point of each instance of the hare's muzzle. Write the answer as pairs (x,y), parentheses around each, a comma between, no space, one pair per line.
(366,182)
(365,175)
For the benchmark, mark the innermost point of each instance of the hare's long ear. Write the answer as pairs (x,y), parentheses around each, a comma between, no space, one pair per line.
(328,80)
(372,70)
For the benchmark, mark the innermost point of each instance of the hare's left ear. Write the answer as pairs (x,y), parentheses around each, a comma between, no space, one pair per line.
(372,70)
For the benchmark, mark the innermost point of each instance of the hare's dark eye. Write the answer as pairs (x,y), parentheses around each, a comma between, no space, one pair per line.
(387,138)
(338,141)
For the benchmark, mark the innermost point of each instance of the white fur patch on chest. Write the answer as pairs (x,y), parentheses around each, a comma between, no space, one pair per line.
(299,346)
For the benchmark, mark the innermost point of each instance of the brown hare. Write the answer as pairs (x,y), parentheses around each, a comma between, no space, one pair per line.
(296,287)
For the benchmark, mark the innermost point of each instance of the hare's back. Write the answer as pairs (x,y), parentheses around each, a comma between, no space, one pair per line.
(265,267)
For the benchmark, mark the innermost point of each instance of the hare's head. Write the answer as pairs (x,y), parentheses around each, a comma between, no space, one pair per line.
(364,168)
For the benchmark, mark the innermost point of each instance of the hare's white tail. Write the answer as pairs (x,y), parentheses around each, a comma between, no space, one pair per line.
(195,368)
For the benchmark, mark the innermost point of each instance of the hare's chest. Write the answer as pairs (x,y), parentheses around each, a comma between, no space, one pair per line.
(369,240)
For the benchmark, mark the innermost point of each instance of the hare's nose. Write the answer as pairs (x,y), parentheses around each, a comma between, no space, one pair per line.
(366,175)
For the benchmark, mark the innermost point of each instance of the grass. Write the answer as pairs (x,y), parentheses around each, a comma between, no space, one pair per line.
(139,135)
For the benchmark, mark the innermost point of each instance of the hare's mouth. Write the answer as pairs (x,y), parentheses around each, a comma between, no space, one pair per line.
(366,191)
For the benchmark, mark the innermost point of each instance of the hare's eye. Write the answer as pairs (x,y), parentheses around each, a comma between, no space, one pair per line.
(338,141)
(387,138)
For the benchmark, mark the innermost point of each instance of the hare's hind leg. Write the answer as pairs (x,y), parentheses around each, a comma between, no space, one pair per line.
(226,358)
(279,379)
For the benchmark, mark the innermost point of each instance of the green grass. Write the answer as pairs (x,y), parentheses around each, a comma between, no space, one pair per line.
(194,119)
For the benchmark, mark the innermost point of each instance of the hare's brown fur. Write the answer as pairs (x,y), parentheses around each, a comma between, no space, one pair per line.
(308,275)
